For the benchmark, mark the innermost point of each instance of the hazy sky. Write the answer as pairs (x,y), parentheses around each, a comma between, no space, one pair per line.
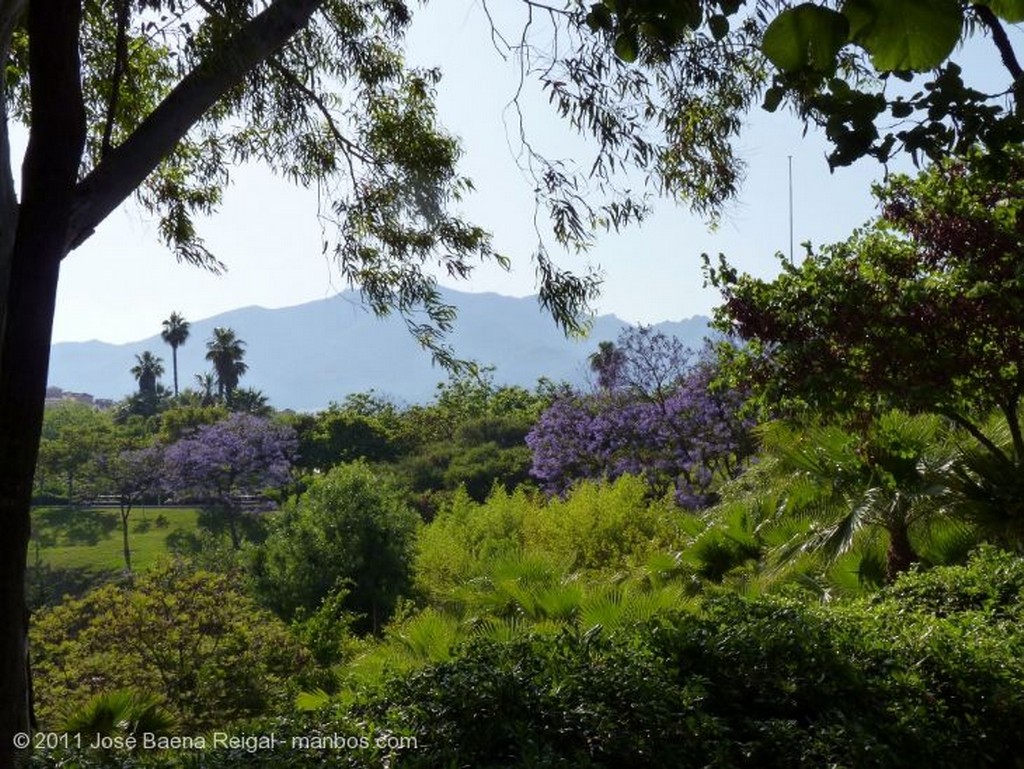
(122,283)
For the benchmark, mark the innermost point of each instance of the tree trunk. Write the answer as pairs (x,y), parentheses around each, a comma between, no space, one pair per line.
(235,534)
(49,174)
(174,364)
(56,214)
(900,555)
(126,510)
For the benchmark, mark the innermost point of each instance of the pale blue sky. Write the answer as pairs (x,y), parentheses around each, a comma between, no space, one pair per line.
(121,284)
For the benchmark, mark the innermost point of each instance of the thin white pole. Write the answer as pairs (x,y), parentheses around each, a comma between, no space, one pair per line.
(791,209)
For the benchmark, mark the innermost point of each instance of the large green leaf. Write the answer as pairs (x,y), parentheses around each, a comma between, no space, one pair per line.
(905,34)
(626,47)
(1010,10)
(805,37)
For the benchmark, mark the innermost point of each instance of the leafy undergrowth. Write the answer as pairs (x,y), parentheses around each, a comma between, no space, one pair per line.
(928,672)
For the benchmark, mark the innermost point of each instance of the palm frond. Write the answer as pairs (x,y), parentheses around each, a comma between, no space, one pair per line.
(123,712)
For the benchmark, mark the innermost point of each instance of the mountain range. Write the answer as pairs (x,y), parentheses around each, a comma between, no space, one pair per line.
(306,356)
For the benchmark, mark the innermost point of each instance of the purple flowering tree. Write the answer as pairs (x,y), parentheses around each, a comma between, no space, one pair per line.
(231,464)
(131,475)
(661,420)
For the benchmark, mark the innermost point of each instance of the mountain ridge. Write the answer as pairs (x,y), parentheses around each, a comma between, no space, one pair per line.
(305,356)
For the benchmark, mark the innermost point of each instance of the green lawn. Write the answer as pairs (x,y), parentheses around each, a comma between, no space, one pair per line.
(89,539)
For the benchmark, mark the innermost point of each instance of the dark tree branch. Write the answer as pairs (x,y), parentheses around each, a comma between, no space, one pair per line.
(10,14)
(350,148)
(117,74)
(128,165)
(548,8)
(1001,40)
(1010,411)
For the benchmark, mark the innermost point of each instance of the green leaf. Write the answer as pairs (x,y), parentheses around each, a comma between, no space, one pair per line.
(805,37)
(905,34)
(719,26)
(1008,10)
(626,47)
(599,18)
(773,98)
(901,109)
(692,14)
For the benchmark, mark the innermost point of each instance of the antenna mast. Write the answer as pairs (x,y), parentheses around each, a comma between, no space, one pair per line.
(790,209)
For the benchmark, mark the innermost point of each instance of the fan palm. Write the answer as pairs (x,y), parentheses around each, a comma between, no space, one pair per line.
(987,488)
(175,333)
(206,383)
(225,351)
(147,369)
(249,400)
(892,479)
(122,713)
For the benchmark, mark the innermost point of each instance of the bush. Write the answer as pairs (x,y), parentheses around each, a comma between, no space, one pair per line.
(452,549)
(350,530)
(190,637)
(744,683)
(601,528)
(604,526)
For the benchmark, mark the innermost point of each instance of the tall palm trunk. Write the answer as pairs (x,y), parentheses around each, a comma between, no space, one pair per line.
(174,365)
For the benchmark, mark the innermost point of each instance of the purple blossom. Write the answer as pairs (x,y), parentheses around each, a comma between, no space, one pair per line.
(134,473)
(241,455)
(676,431)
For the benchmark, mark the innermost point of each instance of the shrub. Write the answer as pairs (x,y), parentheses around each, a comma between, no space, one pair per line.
(744,683)
(190,637)
(603,526)
(350,530)
(887,682)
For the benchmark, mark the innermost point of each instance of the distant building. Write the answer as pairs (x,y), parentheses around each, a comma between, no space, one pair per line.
(55,395)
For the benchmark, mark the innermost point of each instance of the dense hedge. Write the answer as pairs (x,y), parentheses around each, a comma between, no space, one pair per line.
(765,683)
(929,672)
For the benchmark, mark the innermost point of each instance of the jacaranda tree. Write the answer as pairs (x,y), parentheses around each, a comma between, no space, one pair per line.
(131,474)
(224,465)
(673,428)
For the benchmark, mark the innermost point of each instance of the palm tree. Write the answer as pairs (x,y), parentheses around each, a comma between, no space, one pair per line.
(249,400)
(892,480)
(175,333)
(225,351)
(147,369)
(206,382)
